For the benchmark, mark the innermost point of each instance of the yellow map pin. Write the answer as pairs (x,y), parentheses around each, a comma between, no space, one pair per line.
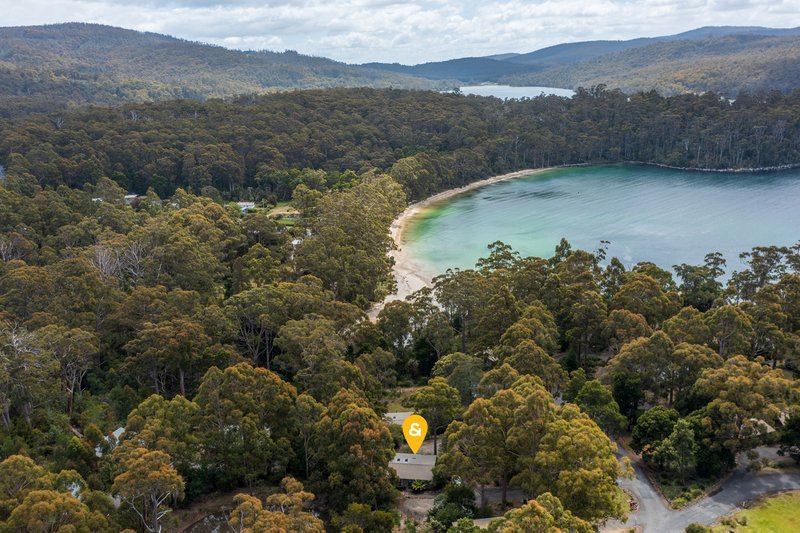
(415,428)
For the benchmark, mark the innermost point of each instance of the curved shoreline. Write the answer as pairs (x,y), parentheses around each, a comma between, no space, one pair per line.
(408,275)
(720,170)
(411,277)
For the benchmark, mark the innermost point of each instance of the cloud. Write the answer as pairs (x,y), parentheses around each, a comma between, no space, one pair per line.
(410,32)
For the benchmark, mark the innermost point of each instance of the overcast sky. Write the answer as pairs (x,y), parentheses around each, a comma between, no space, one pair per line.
(358,31)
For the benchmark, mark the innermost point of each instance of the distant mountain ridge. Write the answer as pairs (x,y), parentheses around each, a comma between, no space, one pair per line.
(568,53)
(49,68)
(467,69)
(698,63)
(727,64)
(79,64)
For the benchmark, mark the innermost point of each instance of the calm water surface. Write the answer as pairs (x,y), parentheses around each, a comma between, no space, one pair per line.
(506,91)
(648,213)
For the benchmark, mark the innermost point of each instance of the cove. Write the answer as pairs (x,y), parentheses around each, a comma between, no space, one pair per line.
(647,213)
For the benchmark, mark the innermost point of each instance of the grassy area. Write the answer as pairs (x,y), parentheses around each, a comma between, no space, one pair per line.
(778,513)
(680,494)
(399,400)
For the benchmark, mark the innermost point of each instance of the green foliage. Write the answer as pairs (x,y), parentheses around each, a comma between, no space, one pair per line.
(545,513)
(456,502)
(731,64)
(290,132)
(245,423)
(348,242)
(596,400)
(699,284)
(104,303)
(749,397)
(627,391)
(285,511)
(577,379)
(359,517)
(678,450)
(463,372)
(47,510)
(147,485)
(729,326)
(355,449)
(174,68)
(652,427)
(439,404)
(520,436)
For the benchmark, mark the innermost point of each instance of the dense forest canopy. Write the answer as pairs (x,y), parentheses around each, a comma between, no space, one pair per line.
(57,67)
(234,350)
(258,147)
(60,66)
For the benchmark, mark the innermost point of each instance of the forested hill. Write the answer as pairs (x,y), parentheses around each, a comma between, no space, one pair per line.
(466,69)
(46,66)
(51,68)
(257,147)
(569,53)
(725,59)
(726,64)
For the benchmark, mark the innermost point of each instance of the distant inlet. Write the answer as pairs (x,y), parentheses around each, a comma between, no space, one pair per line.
(507,91)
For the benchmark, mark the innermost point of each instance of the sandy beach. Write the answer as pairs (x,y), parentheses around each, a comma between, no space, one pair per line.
(409,276)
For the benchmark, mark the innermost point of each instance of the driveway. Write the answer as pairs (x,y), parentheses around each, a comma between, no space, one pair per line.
(741,487)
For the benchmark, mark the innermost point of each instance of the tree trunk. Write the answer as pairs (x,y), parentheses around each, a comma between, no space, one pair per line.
(182,378)
(27,410)
(156,522)
(305,453)
(70,401)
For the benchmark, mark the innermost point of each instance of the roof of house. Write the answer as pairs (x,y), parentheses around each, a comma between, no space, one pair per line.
(484,522)
(410,466)
(397,417)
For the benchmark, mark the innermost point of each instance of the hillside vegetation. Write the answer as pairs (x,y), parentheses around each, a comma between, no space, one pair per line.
(47,67)
(728,64)
(52,68)
(258,147)
(235,353)
(467,69)
(724,59)
(569,53)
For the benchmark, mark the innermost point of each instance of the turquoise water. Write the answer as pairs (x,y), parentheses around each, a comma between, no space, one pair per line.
(507,91)
(647,213)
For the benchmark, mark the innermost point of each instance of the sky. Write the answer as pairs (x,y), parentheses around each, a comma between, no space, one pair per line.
(417,31)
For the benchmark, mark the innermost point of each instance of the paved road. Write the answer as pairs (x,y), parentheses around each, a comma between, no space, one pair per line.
(742,486)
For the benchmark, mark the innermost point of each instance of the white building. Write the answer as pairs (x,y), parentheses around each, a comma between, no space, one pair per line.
(412,466)
(397,417)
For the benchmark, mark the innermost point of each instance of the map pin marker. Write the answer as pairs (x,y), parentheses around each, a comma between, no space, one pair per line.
(415,428)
